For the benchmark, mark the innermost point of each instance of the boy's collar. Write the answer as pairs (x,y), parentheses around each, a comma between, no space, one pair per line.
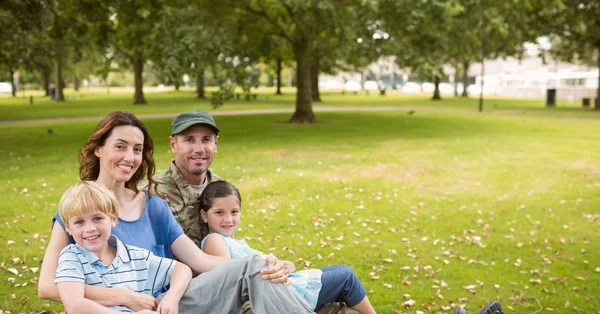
(122,255)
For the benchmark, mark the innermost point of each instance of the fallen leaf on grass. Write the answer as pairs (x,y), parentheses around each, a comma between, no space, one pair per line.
(410,303)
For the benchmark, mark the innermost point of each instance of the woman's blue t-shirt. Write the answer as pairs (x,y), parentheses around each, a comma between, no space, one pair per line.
(155,230)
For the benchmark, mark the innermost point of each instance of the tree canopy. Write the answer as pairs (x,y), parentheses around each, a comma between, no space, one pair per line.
(68,40)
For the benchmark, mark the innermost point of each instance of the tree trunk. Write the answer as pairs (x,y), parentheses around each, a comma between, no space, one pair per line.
(177,85)
(465,79)
(597,104)
(304,112)
(436,90)
(279,61)
(76,83)
(200,83)
(455,88)
(314,80)
(13,87)
(456,70)
(45,73)
(138,69)
(60,84)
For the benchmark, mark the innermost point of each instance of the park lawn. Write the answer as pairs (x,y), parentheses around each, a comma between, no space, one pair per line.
(432,209)
(95,102)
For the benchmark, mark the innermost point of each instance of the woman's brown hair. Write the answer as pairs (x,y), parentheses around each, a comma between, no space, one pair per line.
(89,163)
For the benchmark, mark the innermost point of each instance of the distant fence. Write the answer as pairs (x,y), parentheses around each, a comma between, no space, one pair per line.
(569,94)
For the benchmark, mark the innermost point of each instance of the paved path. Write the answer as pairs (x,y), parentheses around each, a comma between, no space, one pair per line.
(214,113)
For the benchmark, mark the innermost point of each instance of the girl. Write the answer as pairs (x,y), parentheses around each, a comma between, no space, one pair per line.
(220,210)
(119,155)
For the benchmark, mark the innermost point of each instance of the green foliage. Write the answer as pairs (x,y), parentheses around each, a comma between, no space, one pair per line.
(20,23)
(225,93)
(430,34)
(574,28)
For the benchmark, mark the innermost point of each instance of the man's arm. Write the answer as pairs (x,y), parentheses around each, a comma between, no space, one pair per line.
(47,289)
(277,271)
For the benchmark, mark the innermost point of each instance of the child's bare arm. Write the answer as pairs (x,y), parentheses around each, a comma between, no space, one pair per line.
(180,279)
(190,254)
(72,297)
(215,245)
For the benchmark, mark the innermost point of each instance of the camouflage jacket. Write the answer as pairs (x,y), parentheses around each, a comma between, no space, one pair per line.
(182,198)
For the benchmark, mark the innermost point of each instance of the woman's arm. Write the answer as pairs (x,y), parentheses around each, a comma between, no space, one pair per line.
(188,253)
(47,289)
(46,286)
(75,302)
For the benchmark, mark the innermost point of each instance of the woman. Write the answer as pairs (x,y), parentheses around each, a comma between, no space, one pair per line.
(119,155)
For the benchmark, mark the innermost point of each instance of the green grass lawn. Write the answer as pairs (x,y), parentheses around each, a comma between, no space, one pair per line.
(434,209)
(97,103)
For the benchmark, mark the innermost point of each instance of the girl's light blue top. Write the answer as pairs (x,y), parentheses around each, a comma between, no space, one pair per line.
(306,283)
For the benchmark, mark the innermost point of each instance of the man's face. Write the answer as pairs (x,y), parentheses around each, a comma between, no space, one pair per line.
(194,150)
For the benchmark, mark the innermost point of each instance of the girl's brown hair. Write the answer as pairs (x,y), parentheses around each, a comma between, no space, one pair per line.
(89,163)
(214,190)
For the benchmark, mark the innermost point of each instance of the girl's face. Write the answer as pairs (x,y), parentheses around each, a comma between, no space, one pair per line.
(224,216)
(121,155)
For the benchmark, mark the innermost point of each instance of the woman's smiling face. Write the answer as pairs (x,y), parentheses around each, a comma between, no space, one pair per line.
(121,155)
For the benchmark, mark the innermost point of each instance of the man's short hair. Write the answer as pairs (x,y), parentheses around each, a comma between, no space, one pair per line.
(85,196)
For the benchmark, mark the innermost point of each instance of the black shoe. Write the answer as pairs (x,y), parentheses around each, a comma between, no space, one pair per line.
(491,308)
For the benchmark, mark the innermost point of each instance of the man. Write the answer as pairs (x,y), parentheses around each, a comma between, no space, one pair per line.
(194,139)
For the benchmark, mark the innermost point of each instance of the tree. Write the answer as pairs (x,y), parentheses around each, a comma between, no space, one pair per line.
(189,39)
(433,33)
(574,27)
(70,31)
(275,53)
(39,60)
(20,22)
(299,23)
(128,29)
(420,32)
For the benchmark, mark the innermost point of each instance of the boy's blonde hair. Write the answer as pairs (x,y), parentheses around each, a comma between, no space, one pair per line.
(84,196)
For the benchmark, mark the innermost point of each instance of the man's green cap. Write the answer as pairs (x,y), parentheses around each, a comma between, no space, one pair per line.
(192,117)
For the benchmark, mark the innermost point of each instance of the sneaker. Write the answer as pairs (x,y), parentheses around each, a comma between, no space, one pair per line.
(460,310)
(493,307)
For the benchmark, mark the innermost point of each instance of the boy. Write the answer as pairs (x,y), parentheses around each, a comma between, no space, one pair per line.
(90,210)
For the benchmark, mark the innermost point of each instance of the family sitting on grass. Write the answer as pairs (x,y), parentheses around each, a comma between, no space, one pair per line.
(113,246)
